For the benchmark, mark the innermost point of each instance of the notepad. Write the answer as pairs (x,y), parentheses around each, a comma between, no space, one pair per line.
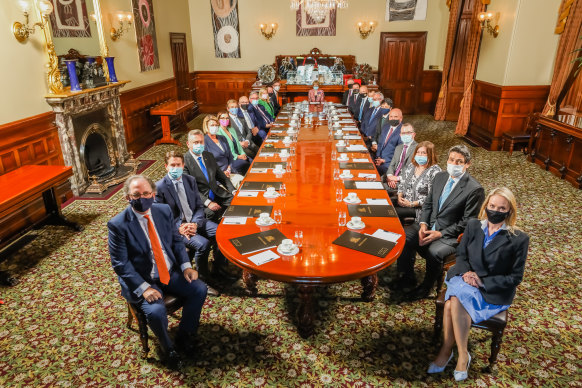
(234,220)
(364,175)
(267,154)
(369,185)
(247,193)
(356,147)
(352,137)
(360,160)
(263,257)
(259,170)
(377,201)
(388,236)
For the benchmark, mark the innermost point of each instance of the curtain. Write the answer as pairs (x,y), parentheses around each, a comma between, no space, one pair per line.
(569,41)
(454,15)
(473,43)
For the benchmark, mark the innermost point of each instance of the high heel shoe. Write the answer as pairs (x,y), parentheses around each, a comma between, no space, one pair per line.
(434,368)
(460,376)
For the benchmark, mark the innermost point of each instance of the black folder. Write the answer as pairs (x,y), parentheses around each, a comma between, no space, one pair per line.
(372,211)
(364,243)
(258,241)
(356,166)
(247,211)
(269,164)
(260,186)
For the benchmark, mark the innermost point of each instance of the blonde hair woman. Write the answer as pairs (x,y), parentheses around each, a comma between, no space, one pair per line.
(218,145)
(265,103)
(490,264)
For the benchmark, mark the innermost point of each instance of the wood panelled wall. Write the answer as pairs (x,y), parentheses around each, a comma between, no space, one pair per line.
(429,93)
(214,88)
(498,109)
(142,129)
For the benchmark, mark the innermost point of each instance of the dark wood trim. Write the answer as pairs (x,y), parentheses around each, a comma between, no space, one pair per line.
(429,91)
(499,109)
(214,88)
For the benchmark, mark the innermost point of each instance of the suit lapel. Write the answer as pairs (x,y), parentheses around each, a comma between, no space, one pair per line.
(172,189)
(497,242)
(456,190)
(136,230)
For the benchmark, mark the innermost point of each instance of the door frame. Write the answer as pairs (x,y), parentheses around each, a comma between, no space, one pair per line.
(180,35)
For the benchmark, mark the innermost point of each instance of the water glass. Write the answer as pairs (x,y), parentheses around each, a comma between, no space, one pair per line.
(336,173)
(338,195)
(333,155)
(283,190)
(278,216)
(299,238)
(341,219)
(289,166)
(292,151)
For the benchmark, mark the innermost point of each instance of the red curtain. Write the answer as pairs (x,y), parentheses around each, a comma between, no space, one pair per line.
(454,15)
(473,43)
(569,41)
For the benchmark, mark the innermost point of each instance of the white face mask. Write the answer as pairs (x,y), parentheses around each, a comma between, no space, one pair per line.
(265,96)
(213,130)
(276,88)
(455,170)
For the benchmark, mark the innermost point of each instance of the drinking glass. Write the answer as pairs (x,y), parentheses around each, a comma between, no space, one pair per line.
(336,173)
(292,151)
(341,219)
(338,195)
(299,238)
(278,217)
(333,155)
(289,166)
(283,190)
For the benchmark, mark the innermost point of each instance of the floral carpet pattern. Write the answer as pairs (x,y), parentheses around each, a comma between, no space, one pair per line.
(65,323)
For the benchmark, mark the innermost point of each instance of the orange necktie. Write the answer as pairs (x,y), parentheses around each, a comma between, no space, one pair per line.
(158,254)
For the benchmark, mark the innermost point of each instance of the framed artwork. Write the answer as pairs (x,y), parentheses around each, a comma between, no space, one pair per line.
(403,10)
(69,19)
(145,32)
(308,26)
(224,15)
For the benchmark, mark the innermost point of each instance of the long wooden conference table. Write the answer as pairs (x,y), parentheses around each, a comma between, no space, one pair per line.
(310,206)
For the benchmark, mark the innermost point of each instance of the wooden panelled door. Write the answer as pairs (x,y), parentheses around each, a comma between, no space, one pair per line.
(400,68)
(180,62)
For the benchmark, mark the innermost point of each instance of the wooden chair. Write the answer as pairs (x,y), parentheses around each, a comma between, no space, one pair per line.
(496,325)
(448,262)
(172,303)
(515,138)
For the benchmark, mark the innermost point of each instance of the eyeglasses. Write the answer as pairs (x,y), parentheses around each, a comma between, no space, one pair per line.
(147,194)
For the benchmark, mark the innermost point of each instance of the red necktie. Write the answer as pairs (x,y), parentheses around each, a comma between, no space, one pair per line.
(388,136)
(158,254)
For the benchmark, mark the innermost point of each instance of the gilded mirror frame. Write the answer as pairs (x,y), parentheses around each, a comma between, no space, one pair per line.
(54,75)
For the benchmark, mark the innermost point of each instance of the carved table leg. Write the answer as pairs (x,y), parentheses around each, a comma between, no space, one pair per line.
(305,313)
(369,284)
(250,281)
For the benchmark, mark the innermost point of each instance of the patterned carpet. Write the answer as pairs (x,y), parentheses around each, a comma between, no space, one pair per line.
(64,324)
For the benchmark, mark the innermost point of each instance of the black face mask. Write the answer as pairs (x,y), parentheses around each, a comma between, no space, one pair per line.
(142,204)
(394,123)
(271,94)
(350,86)
(356,91)
(496,217)
(244,106)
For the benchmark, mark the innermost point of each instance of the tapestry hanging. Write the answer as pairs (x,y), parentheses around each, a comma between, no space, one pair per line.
(307,25)
(70,19)
(145,32)
(402,10)
(225,28)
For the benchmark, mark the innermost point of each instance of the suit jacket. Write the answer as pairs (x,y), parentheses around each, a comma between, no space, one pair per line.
(251,113)
(370,120)
(386,149)
(218,182)
(243,132)
(263,117)
(359,108)
(131,254)
(398,154)
(166,193)
(500,265)
(462,204)
(275,102)
(348,93)
(222,156)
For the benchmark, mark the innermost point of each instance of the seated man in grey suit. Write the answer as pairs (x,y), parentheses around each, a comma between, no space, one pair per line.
(403,154)
(454,198)
(243,132)
(216,190)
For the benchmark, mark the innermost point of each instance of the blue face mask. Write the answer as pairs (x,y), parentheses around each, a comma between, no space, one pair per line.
(198,149)
(370,99)
(421,159)
(175,172)
(255,102)
(233,111)
(406,139)
(384,111)
(375,104)
(315,87)
(142,204)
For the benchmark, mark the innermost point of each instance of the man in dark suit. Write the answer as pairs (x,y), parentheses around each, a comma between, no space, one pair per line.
(372,116)
(216,190)
(150,259)
(403,155)
(247,113)
(274,96)
(180,192)
(454,198)
(264,121)
(387,140)
(360,105)
(348,93)
(243,132)
(354,96)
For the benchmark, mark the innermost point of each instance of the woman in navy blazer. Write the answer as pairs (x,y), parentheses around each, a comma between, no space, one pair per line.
(218,146)
(490,263)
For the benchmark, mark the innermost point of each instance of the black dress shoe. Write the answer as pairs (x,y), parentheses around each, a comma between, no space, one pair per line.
(212,291)
(403,284)
(171,359)
(186,344)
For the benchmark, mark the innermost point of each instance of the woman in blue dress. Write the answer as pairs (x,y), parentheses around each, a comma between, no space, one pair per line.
(490,264)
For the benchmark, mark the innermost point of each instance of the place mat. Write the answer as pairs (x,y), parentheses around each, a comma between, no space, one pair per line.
(246,211)
(268,164)
(278,150)
(364,243)
(260,186)
(258,241)
(356,166)
(372,211)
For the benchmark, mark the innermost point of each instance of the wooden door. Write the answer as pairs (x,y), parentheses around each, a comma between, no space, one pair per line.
(180,62)
(400,68)
(456,79)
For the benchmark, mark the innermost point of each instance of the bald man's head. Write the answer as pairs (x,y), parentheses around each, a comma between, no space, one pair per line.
(395,114)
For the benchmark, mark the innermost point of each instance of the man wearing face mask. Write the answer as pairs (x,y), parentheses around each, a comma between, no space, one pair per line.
(387,141)
(215,189)
(403,154)
(244,133)
(354,97)
(274,96)
(247,113)
(348,93)
(455,197)
(180,192)
(150,259)
(361,104)
(372,116)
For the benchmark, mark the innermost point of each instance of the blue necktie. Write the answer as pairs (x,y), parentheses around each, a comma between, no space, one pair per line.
(361,110)
(205,172)
(446,192)
(372,116)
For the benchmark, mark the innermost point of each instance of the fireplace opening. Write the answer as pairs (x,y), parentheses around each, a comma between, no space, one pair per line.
(97,158)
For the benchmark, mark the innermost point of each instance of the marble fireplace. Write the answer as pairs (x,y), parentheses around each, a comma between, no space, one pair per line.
(92,137)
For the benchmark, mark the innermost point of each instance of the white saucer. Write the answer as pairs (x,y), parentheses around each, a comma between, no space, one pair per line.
(351,226)
(272,222)
(292,252)
(346,200)
(343,160)
(278,172)
(271,196)
(342,176)
(291,131)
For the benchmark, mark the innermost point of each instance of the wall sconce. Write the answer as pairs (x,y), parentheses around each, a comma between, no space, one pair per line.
(23,31)
(485,19)
(268,32)
(366,28)
(125,20)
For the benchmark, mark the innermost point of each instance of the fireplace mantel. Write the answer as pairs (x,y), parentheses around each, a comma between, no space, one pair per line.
(70,105)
